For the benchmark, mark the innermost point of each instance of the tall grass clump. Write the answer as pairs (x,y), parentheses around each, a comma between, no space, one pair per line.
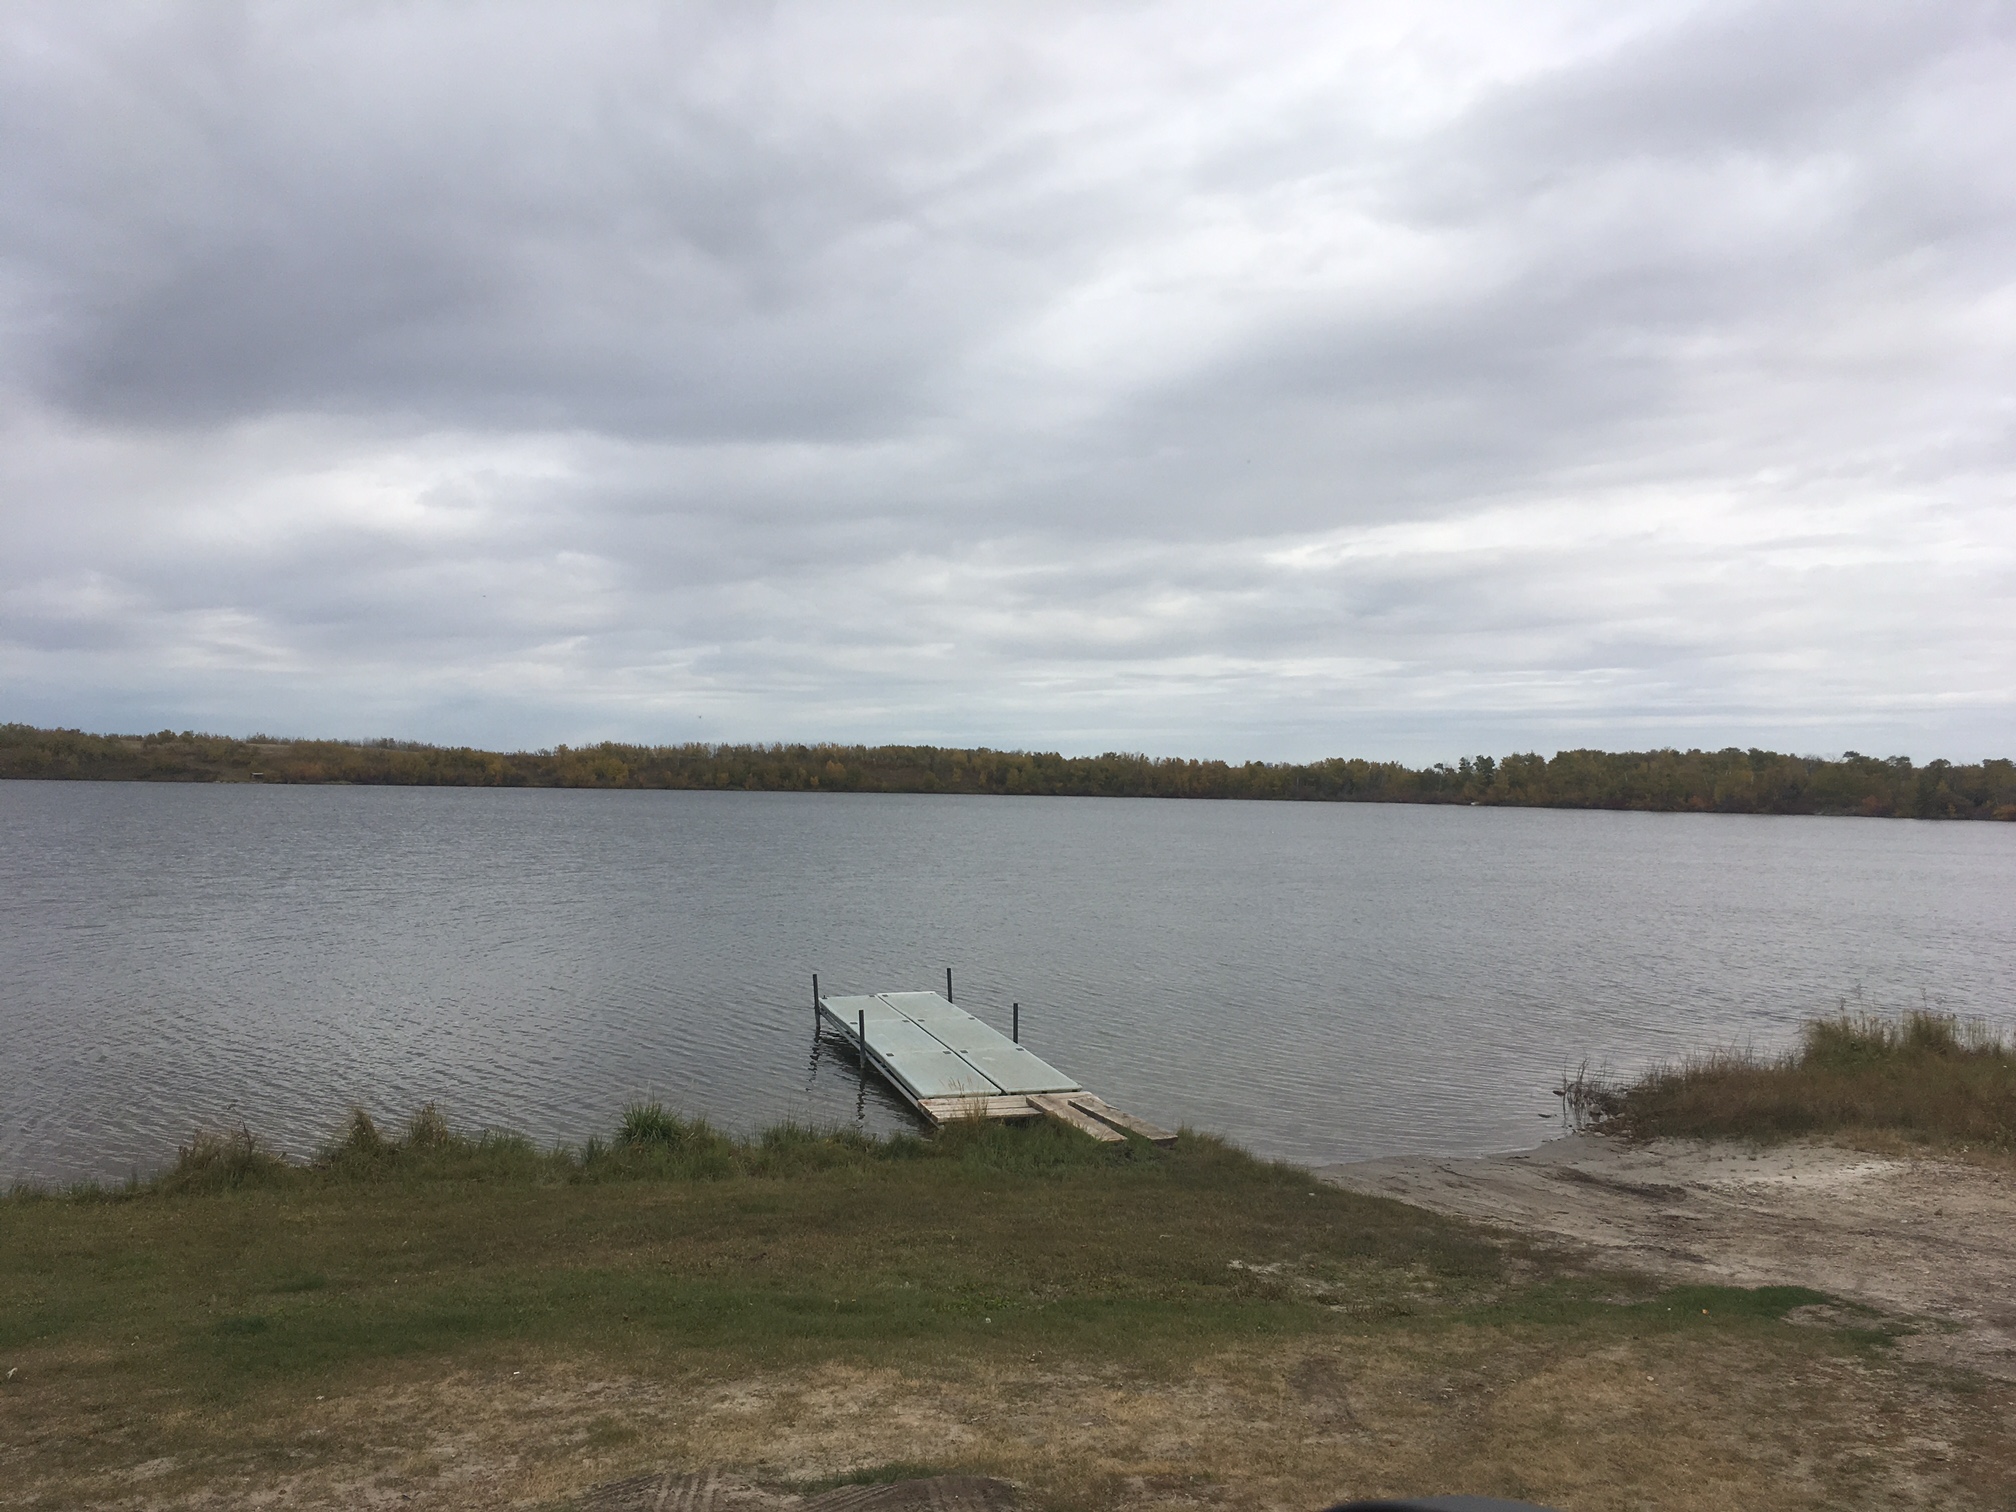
(987,1145)
(1929,1077)
(651,1140)
(650,1143)
(428,1146)
(649,1125)
(216,1161)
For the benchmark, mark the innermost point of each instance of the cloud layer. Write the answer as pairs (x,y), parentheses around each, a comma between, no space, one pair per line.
(1275,382)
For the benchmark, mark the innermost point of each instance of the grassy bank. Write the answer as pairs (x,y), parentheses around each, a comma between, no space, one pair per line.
(788,1243)
(1923,1077)
(431,1319)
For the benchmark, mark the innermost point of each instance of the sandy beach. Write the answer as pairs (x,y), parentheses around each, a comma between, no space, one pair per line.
(1928,1240)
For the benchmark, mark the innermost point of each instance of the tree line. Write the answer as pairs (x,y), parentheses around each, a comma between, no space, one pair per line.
(1726,781)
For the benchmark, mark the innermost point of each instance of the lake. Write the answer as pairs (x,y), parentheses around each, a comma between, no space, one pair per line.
(1320,982)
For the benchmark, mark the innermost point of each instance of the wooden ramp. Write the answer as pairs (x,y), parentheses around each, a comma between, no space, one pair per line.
(947,1065)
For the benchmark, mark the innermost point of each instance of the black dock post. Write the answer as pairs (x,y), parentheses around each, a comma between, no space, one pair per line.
(948,984)
(1015,1025)
(861,1035)
(815,997)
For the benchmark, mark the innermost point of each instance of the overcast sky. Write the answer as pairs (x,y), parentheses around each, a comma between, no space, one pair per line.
(1231,380)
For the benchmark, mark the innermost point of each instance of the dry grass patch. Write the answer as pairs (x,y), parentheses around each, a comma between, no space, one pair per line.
(1923,1078)
(1679,1421)
(433,1321)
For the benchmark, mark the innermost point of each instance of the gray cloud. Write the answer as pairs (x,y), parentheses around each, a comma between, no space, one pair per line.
(1400,383)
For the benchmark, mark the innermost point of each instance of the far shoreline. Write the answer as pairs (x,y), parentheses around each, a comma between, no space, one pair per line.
(1727,781)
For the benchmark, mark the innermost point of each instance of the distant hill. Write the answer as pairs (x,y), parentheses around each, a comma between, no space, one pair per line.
(1728,781)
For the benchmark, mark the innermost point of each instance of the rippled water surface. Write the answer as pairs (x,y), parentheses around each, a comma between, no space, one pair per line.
(1319,981)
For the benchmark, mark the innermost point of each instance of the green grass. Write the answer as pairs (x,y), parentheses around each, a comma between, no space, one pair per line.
(872,1475)
(252,1322)
(235,1272)
(234,1268)
(1924,1076)
(1635,1305)
(651,1144)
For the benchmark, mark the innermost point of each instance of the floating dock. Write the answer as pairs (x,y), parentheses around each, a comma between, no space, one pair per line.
(947,1065)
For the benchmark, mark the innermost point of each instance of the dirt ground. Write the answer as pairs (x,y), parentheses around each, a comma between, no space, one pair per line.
(1658,1423)
(1912,1235)
(1588,1416)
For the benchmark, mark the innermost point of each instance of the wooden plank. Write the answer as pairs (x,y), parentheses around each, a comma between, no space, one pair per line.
(1055,1105)
(947,1109)
(1098,1107)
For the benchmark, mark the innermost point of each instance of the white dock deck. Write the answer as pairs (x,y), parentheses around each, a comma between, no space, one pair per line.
(948,1064)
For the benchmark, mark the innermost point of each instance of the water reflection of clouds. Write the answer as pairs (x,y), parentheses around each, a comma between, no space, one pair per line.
(1319,981)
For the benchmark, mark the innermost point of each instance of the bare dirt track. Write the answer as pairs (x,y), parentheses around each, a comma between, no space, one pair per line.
(1916,1236)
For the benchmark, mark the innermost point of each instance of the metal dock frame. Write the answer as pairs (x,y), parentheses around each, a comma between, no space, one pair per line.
(948,1065)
